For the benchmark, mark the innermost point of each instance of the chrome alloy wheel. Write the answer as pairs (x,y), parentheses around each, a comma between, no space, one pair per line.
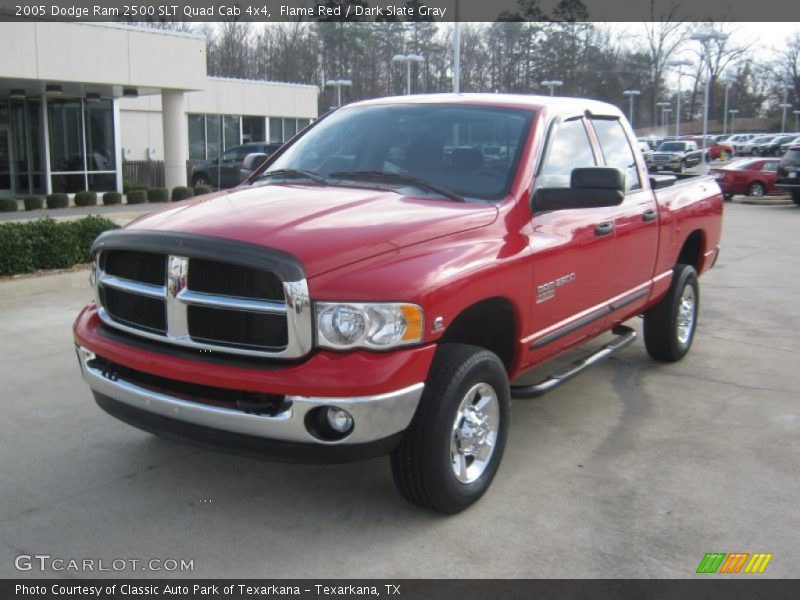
(686,311)
(475,429)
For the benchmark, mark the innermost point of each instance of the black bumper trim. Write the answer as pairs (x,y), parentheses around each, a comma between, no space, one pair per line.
(243,445)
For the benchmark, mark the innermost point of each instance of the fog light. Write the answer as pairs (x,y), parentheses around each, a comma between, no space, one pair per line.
(339,420)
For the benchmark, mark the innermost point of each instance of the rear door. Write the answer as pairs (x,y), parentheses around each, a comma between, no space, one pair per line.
(573,250)
(635,220)
(769,173)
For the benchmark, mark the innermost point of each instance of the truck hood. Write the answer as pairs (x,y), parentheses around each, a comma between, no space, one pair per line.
(325,227)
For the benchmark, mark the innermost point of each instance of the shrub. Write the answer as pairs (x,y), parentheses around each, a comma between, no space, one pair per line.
(136,197)
(48,244)
(57,200)
(127,186)
(86,199)
(15,249)
(54,245)
(181,193)
(158,195)
(8,205)
(86,231)
(33,203)
(201,189)
(112,198)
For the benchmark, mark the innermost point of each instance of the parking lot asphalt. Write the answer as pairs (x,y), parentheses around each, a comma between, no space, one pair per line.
(635,469)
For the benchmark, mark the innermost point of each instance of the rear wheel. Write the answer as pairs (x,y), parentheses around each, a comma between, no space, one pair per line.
(200,180)
(756,189)
(453,447)
(670,325)
(727,197)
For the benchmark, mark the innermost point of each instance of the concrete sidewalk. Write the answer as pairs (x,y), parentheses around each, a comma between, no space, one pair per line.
(113,211)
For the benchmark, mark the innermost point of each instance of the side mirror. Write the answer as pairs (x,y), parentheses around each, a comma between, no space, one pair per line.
(253,160)
(590,187)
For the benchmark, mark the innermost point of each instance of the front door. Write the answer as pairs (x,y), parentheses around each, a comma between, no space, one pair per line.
(635,220)
(573,252)
(5,163)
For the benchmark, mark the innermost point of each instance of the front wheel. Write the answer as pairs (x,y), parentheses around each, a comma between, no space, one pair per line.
(756,189)
(670,325)
(453,447)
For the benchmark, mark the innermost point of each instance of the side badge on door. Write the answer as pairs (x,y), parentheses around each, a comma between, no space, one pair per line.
(547,291)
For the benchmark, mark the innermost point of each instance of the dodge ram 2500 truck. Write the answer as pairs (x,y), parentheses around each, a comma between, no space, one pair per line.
(376,284)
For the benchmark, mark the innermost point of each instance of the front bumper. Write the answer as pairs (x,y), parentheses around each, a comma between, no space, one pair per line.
(377,418)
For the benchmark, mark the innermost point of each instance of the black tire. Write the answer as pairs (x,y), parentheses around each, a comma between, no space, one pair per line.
(422,466)
(661,323)
(756,189)
(727,197)
(682,168)
(200,180)
(796,198)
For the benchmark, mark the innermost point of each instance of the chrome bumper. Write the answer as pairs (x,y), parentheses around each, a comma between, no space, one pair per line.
(375,417)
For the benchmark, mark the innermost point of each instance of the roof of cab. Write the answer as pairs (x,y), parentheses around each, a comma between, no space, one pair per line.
(550,104)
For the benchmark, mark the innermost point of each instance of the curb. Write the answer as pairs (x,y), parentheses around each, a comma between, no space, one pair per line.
(46,283)
(764,201)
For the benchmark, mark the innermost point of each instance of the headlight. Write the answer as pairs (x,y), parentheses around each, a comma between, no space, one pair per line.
(377,326)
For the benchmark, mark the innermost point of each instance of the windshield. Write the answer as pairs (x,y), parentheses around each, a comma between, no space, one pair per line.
(471,151)
(672,147)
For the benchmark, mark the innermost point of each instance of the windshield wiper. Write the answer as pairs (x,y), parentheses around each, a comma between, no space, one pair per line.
(295,173)
(397,178)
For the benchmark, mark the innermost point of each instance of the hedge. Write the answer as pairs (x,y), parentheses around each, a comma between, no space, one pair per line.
(86,199)
(158,195)
(57,200)
(201,189)
(33,203)
(8,205)
(181,193)
(48,244)
(136,197)
(112,198)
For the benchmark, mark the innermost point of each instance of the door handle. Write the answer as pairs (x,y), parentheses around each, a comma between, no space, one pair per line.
(603,229)
(649,215)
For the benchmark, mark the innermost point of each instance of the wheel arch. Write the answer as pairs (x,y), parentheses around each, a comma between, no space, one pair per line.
(693,250)
(491,323)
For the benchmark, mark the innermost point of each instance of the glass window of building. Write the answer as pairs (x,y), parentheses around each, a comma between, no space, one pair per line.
(253,129)
(100,155)
(275,129)
(289,128)
(197,137)
(302,124)
(232,131)
(213,136)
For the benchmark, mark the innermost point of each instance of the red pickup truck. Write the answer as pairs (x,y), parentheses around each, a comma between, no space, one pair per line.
(378,283)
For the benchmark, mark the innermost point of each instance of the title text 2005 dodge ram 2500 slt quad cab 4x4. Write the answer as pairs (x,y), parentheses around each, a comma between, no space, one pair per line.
(376,284)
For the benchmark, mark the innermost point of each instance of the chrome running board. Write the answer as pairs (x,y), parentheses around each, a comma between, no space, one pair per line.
(625,336)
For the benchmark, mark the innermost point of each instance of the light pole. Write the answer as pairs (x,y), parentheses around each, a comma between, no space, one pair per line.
(704,38)
(338,84)
(728,83)
(784,106)
(456,51)
(631,94)
(663,106)
(553,83)
(408,59)
(733,112)
(796,121)
(679,64)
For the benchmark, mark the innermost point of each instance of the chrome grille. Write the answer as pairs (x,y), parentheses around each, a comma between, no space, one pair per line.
(203,303)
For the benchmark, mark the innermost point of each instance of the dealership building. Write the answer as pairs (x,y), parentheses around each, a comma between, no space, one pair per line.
(77,100)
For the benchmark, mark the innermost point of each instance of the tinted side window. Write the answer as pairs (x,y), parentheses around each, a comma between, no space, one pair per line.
(617,150)
(569,149)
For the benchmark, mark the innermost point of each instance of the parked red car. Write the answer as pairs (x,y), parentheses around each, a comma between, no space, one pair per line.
(720,150)
(754,177)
